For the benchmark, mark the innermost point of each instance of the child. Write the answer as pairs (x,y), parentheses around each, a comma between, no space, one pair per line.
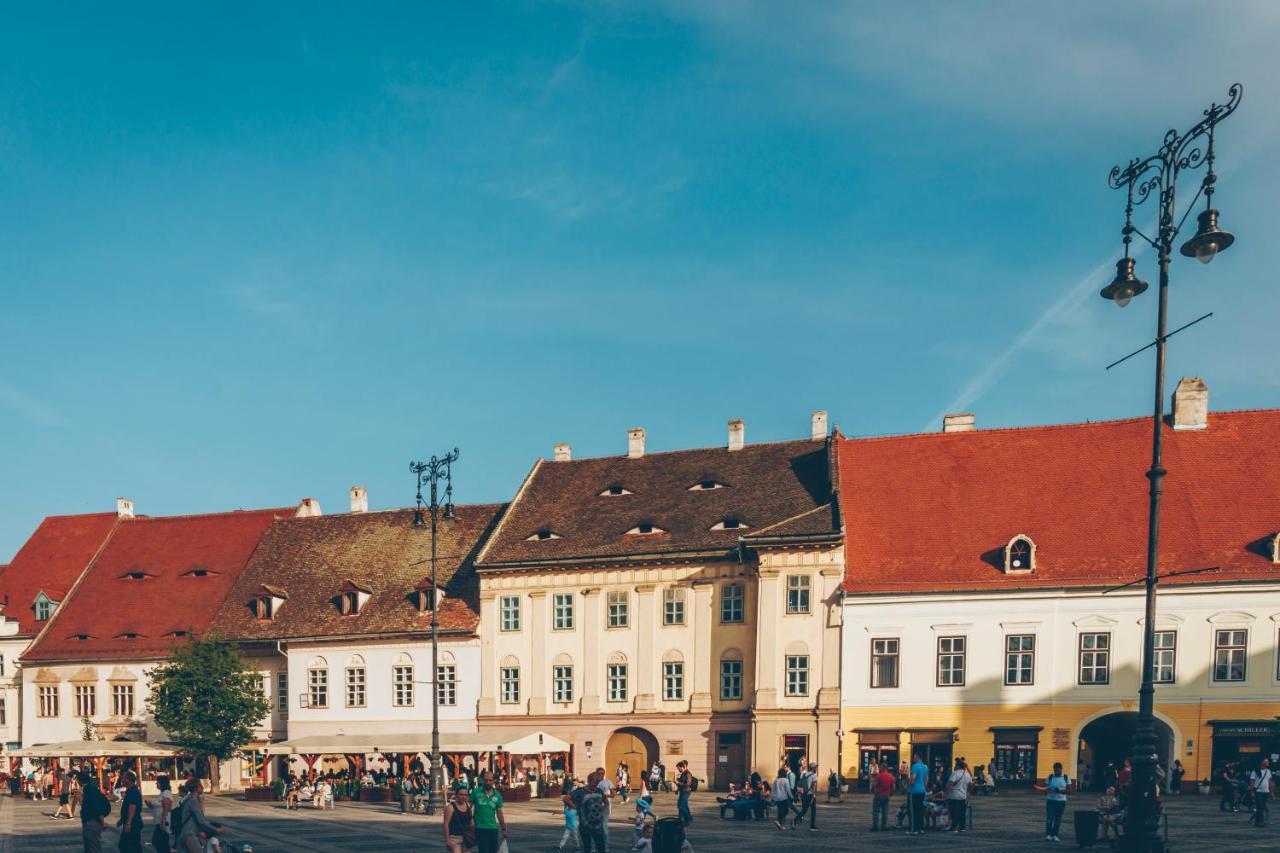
(643,810)
(645,843)
(570,826)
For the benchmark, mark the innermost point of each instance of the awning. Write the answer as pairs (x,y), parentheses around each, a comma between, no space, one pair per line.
(98,749)
(514,741)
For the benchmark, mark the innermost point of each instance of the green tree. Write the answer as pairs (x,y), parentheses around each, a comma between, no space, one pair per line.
(207,699)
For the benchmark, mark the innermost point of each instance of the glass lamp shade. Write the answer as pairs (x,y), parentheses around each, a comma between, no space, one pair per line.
(1209,239)
(1125,285)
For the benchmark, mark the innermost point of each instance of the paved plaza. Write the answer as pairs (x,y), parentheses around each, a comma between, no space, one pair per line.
(1010,823)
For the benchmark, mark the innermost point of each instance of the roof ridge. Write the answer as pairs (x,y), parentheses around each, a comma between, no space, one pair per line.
(648,453)
(191,515)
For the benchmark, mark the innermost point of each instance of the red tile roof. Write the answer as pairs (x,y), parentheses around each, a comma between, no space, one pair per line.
(51,560)
(934,512)
(106,605)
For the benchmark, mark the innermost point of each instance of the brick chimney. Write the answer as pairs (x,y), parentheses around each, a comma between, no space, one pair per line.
(818,425)
(359,499)
(1190,404)
(563,453)
(963,422)
(124,508)
(309,508)
(635,442)
(737,434)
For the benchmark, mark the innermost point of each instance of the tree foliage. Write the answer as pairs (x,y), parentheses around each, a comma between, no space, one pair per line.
(206,698)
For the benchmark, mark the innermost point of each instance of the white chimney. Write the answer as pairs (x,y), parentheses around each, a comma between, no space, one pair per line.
(1191,404)
(963,422)
(818,425)
(124,508)
(635,442)
(359,499)
(737,434)
(309,508)
(563,453)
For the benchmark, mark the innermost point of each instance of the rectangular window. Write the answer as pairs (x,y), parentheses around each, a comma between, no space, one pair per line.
(673,606)
(318,688)
(884,662)
(618,616)
(1229,649)
(1095,659)
(122,700)
(1165,662)
(510,607)
(1,666)
(4,717)
(260,684)
(562,683)
(357,682)
(798,593)
(48,701)
(798,675)
(282,692)
(562,610)
(951,661)
(86,700)
(732,602)
(731,680)
(447,680)
(510,685)
(1020,659)
(617,682)
(673,681)
(402,685)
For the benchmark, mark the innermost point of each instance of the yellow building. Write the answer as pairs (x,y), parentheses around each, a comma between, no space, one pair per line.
(658,607)
(982,614)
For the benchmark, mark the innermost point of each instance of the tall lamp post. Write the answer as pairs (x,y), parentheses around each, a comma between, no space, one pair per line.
(1143,178)
(431,473)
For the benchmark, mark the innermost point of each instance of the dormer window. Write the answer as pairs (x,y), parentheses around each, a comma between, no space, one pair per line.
(199,573)
(267,601)
(44,607)
(730,524)
(80,637)
(615,491)
(135,576)
(128,635)
(706,486)
(177,634)
(352,597)
(541,536)
(349,603)
(645,529)
(1020,555)
(425,596)
(1275,548)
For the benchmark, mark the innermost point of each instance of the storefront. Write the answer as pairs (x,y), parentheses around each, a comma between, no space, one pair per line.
(879,746)
(1014,754)
(934,746)
(1246,741)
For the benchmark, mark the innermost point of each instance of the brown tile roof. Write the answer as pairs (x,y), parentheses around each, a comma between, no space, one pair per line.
(51,561)
(763,484)
(313,559)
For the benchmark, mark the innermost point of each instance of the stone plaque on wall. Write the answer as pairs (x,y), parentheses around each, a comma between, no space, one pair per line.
(1062,738)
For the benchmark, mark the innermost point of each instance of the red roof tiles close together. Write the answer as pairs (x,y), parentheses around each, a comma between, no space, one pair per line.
(51,561)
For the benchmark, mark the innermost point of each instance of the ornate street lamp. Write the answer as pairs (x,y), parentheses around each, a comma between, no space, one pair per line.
(1157,176)
(431,473)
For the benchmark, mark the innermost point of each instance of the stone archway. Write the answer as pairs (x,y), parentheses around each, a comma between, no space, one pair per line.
(1109,738)
(636,747)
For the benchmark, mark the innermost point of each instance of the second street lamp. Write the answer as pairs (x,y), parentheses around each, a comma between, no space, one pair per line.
(1157,176)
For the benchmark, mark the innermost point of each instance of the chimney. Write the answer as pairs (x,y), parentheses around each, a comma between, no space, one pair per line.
(309,508)
(1191,404)
(563,453)
(737,434)
(962,422)
(359,499)
(124,508)
(635,442)
(818,425)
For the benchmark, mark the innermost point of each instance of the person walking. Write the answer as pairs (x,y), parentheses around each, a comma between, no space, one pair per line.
(623,779)
(1260,786)
(1175,777)
(491,823)
(1055,802)
(590,805)
(65,784)
(882,786)
(782,794)
(808,787)
(458,829)
(685,783)
(958,784)
(917,786)
(191,820)
(130,824)
(93,813)
(570,819)
(834,786)
(1227,782)
(161,807)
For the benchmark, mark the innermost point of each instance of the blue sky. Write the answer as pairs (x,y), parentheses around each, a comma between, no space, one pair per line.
(252,255)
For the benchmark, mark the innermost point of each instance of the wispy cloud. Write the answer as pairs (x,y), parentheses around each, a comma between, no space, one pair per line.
(29,407)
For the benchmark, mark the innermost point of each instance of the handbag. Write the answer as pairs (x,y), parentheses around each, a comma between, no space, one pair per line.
(502,848)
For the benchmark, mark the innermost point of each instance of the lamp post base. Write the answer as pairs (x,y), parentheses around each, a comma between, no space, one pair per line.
(437,786)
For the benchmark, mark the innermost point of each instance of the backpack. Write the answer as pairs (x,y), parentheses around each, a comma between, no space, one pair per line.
(591,811)
(693,783)
(101,805)
(176,816)
(668,835)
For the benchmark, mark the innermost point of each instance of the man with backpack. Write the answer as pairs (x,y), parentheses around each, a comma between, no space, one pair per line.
(686,784)
(807,785)
(592,815)
(93,813)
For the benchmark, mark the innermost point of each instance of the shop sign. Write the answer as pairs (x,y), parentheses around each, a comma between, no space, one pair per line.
(1244,730)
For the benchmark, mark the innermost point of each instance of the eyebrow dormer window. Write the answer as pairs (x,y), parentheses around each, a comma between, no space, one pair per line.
(615,491)
(730,524)
(80,637)
(199,573)
(135,576)
(128,635)
(542,536)
(1020,555)
(706,486)
(645,529)
(177,634)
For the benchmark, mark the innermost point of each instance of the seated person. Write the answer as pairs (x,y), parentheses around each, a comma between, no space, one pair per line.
(1110,815)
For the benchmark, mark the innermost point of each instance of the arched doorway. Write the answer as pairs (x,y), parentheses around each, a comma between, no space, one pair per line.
(1109,739)
(635,747)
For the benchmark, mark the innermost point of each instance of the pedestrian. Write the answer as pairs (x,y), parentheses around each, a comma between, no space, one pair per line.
(958,784)
(834,786)
(491,823)
(1175,777)
(881,792)
(808,787)
(161,807)
(570,819)
(1260,786)
(1055,802)
(1124,781)
(93,813)
(918,779)
(130,824)
(782,795)
(590,805)
(685,785)
(191,820)
(663,781)
(904,776)
(1227,783)
(623,779)
(458,830)
(65,780)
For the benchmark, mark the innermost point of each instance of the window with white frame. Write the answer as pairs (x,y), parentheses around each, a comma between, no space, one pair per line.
(1020,659)
(357,686)
(616,680)
(86,697)
(797,675)
(1230,647)
(884,662)
(619,617)
(731,679)
(673,680)
(402,685)
(318,686)
(48,704)
(282,692)
(732,602)
(44,607)
(951,661)
(510,678)
(510,608)
(122,700)
(562,611)
(798,588)
(673,606)
(1095,658)
(447,684)
(1165,662)
(562,682)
